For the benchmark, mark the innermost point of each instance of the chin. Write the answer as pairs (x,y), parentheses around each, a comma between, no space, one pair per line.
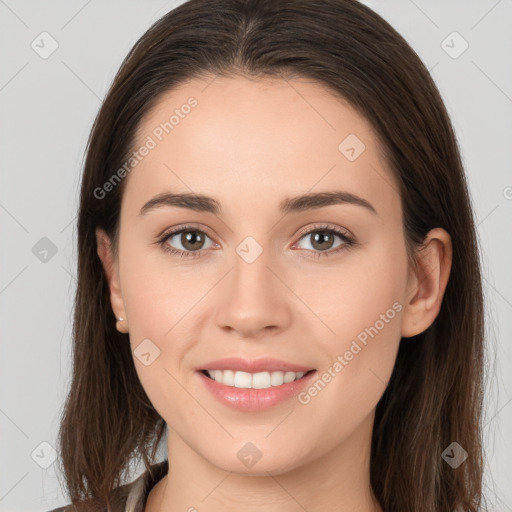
(247,459)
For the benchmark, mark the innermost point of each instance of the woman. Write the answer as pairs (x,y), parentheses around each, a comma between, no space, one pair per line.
(278,266)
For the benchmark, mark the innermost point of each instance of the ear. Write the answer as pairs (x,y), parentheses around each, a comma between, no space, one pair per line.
(427,283)
(104,248)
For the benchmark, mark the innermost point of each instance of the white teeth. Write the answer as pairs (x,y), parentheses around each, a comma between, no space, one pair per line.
(227,376)
(289,377)
(260,380)
(242,379)
(276,378)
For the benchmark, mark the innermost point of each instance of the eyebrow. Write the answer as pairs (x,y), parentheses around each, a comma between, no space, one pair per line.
(203,203)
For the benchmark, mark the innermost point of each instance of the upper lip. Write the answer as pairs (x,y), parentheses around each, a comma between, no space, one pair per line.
(266,364)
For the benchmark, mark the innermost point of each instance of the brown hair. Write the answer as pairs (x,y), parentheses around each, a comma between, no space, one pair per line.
(435,393)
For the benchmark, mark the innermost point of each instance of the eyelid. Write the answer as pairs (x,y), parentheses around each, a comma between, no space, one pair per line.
(327,226)
(347,237)
(303,231)
(168,232)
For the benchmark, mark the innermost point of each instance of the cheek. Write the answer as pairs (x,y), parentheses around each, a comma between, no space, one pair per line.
(169,302)
(350,309)
(158,291)
(159,302)
(356,293)
(155,301)
(361,306)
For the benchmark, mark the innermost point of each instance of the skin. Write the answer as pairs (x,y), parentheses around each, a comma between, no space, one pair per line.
(250,143)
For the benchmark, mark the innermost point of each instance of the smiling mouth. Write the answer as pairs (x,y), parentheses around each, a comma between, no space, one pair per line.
(259,380)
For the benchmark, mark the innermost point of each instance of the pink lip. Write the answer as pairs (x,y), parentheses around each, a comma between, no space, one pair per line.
(253,366)
(252,400)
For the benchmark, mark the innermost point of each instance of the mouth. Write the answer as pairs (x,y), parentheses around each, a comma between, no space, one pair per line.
(254,391)
(260,380)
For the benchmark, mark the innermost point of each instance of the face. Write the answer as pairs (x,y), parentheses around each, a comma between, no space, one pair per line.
(315,286)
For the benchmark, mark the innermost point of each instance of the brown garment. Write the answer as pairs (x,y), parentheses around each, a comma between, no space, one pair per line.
(130,497)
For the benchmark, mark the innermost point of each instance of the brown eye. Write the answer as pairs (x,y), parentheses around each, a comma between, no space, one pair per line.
(322,242)
(324,239)
(192,240)
(186,240)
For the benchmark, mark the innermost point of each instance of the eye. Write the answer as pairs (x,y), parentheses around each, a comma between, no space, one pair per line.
(189,239)
(322,240)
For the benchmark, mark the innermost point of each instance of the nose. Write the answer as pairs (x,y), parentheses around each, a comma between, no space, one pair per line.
(253,301)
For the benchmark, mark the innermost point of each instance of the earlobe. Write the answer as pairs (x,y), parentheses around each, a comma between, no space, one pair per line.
(427,283)
(105,253)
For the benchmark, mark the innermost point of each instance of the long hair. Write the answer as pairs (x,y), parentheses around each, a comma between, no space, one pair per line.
(435,393)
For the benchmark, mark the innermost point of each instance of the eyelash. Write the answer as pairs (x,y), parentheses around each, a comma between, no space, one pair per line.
(349,242)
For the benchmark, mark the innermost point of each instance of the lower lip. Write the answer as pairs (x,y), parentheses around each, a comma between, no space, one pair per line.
(251,400)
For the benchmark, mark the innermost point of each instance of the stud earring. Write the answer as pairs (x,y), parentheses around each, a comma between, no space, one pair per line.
(119,325)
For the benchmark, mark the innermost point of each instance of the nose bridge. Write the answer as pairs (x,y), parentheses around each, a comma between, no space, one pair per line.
(250,270)
(251,279)
(252,299)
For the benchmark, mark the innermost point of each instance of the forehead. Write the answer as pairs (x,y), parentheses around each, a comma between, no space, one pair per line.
(243,140)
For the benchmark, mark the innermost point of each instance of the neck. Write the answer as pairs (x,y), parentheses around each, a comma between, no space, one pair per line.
(337,480)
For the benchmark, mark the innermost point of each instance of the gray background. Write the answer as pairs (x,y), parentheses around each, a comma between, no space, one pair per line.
(47,106)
